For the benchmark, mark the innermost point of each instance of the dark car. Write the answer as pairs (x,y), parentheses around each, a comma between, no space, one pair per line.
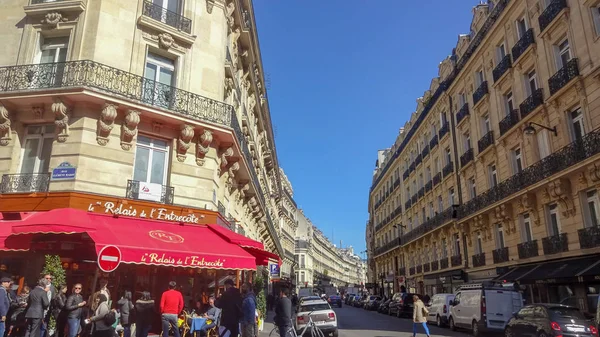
(349,298)
(372,302)
(550,320)
(384,307)
(358,301)
(335,300)
(402,304)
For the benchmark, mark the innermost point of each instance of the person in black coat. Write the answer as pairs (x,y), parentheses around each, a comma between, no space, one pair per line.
(74,310)
(58,311)
(145,311)
(37,304)
(230,304)
(125,308)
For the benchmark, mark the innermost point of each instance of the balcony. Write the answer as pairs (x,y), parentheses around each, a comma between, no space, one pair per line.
(143,191)
(480,92)
(532,102)
(563,76)
(406,174)
(425,151)
(500,255)
(412,166)
(555,244)
(388,246)
(418,160)
(429,225)
(428,186)
(24,183)
(411,270)
(521,46)
(478,260)
(528,249)
(589,237)
(435,265)
(433,142)
(462,113)
(502,68)
(449,168)
(509,121)
(437,178)
(550,13)
(421,192)
(444,263)
(456,260)
(444,130)
(414,199)
(407,204)
(426,268)
(419,269)
(466,157)
(163,15)
(486,141)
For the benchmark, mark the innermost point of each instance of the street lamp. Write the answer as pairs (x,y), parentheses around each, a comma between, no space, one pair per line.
(530,130)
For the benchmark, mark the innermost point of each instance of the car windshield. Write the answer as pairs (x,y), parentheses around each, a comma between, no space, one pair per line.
(314,307)
(566,312)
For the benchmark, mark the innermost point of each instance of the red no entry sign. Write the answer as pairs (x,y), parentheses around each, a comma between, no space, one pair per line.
(109,258)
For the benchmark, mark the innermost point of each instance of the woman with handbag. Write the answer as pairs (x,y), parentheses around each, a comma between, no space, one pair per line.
(419,316)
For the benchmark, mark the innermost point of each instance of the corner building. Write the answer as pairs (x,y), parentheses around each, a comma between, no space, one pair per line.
(154,106)
(495,176)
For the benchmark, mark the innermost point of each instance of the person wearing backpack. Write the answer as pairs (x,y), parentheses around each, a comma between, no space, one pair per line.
(103,319)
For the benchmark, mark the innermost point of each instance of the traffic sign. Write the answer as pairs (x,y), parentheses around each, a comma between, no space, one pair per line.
(109,258)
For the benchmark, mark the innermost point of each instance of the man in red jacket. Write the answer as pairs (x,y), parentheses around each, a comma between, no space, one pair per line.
(171,304)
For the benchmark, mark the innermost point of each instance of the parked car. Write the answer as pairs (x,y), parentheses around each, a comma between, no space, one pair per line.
(384,307)
(484,307)
(349,298)
(402,304)
(370,302)
(358,301)
(550,320)
(322,315)
(439,310)
(335,300)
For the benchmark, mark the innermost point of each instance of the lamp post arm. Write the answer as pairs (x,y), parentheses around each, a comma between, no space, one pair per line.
(545,127)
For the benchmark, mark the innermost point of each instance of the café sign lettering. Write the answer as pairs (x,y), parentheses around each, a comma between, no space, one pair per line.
(188,261)
(154,213)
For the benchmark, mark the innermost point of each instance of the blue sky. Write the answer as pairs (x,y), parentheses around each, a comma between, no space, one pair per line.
(344,77)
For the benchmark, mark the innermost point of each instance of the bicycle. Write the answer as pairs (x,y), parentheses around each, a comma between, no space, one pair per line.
(314,330)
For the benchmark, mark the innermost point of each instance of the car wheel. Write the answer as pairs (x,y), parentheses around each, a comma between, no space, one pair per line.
(475,329)
(508,333)
(451,323)
(335,334)
(438,321)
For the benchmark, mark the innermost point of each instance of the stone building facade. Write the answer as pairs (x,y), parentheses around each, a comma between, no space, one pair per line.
(288,226)
(161,101)
(496,174)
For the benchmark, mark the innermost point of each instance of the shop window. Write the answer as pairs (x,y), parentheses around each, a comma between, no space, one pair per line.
(500,237)
(37,148)
(591,209)
(553,220)
(151,160)
(526,230)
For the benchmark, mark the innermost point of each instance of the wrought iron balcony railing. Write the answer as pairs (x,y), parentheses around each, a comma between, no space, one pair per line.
(428,186)
(221,208)
(521,46)
(419,269)
(555,244)
(437,178)
(166,194)
(425,151)
(500,255)
(563,76)
(418,160)
(444,130)
(433,142)
(480,92)
(528,249)
(462,113)
(414,198)
(406,174)
(589,237)
(444,263)
(479,260)
(35,2)
(502,67)
(532,102)
(407,204)
(486,141)
(24,182)
(168,17)
(435,265)
(466,157)
(426,267)
(456,260)
(421,192)
(448,169)
(509,121)
(550,13)
(560,160)
(429,225)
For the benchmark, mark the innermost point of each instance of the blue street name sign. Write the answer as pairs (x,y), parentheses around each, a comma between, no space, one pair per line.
(64,171)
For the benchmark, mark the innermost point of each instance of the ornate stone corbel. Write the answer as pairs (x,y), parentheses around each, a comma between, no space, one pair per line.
(244,190)
(203,146)
(53,19)
(209,6)
(5,131)
(229,13)
(156,126)
(61,119)
(503,214)
(528,204)
(186,134)
(37,111)
(560,190)
(228,85)
(165,41)
(231,177)
(129,129)
(594,173)
(106,123)
(251,102)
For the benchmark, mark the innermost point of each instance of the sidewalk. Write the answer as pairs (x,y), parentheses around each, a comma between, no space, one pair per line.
(268,326)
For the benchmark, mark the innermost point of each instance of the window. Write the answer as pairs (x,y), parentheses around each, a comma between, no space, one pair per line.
(577,125)
(410,224)
(472,188)
(526,230)
(479,79)
(160,77)
(420,180)
(462,100)
(456,238)
(171,5)
(436,165)
(486,124)
(54,49)
(479,245)
(37,148)
(448,156)
(151,160)
(592,209)
(563,51)
(596,16)
(501,51)
(428,173)
(423,214)
(466,142)
(302,277)
(543,143)
(522,27)
(493,175)
(434,252)
(509,102)
(431,210)
(443,119)
(440,204)
(499,236)
(302,261)
(451,196)
(517,161)
(444,249)
(553,220)
(531,85)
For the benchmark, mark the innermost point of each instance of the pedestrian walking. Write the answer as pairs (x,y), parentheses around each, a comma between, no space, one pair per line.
(4,303)
(125,308)
(58,311)
(102,327)
(171,304)
(48,311)
(419,316)
(248,321)
(230,304)
(144,313)
(283,313)
(37,304)
(74,310)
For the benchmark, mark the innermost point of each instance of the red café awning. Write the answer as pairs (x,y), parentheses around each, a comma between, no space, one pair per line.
(257,249)
(141,241)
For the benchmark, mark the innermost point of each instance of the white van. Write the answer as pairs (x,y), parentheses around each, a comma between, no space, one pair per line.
(484,307)
(439,310)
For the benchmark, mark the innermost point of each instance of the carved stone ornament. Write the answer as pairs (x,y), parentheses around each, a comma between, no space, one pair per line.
(559,190)
(228,87)
(53,19)
(61,119)
(5,130)
(244,192)
(37,112)
(229,13)
(165,40)
(183,143)
(251,102)
(209,6)
(594,173)
(106,123)
(231,178)
(203,146)
(129,129)
(528,204)
(503,214)
(156,126)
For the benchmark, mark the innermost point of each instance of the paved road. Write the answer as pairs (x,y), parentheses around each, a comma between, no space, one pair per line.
(354,322)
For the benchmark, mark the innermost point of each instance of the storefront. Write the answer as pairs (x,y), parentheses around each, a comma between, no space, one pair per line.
(443,283)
